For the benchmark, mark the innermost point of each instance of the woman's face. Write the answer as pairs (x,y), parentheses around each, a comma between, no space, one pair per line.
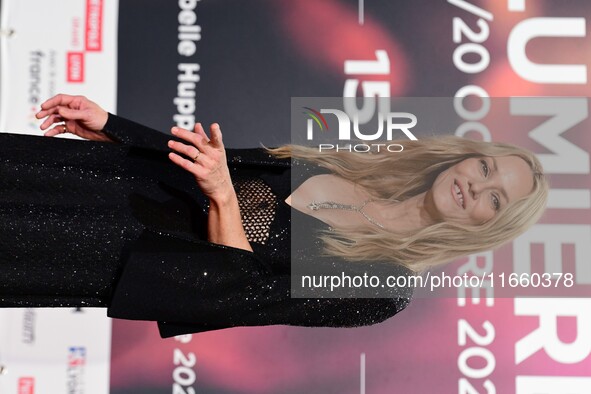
(475,190)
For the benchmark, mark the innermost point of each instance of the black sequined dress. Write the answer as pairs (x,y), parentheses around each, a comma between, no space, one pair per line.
(117,225)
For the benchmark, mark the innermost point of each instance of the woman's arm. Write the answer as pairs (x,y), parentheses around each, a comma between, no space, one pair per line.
(210,168)
(73,114)
(239,289)
(135,134)
(80,116)
(224,224)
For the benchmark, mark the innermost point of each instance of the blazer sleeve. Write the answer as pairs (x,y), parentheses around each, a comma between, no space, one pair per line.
(134,134)
(268,301)
(168,276)
(277,308)
(191,286)
(131,133)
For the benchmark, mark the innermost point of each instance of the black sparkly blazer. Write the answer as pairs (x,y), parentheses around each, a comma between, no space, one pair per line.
(172,275)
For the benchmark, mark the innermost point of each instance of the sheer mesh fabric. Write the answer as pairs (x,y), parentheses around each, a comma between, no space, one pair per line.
(257,204)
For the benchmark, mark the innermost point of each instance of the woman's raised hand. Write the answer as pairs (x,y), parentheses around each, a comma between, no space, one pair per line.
(73,114)
(207,160)
(208,164)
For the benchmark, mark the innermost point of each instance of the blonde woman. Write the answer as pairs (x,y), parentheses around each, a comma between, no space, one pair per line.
(183,231)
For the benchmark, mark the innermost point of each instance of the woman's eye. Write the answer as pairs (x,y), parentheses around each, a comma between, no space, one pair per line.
(484,165)
(496,202)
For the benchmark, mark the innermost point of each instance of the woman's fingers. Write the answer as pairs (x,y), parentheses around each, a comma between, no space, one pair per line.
(206,159)
(204,155)
(198,148)
(59,129)
(181,162)
(199,131)
(51,119)
(58,114)
(64,104)
(186,164)
(192,138)
(57,100)
(183,134)
(73,114)
(46,112)
(187,150)
(83,117)
(52,105)
(216,136)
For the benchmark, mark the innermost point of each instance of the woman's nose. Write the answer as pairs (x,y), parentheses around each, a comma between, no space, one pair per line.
(475,188)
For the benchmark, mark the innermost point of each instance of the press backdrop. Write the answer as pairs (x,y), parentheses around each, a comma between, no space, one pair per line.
(239,63)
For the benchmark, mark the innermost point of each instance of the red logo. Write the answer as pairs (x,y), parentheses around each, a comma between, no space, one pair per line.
(26,385)
(94,25)
(75,67)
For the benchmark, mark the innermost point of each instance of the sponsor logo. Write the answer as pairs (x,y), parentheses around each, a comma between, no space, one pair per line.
(75,369)
(26,385)
(75,67)
(36,65)
(36,59)
(29,326)
(94,25)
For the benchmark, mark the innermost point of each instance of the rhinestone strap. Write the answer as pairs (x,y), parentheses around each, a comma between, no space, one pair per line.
(315,206)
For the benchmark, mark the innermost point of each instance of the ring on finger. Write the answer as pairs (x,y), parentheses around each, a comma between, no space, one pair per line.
(197,155)
(65,129)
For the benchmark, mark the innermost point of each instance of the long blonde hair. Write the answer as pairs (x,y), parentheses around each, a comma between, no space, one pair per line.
(402,175)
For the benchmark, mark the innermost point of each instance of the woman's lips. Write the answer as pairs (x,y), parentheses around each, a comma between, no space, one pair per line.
(458,195)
